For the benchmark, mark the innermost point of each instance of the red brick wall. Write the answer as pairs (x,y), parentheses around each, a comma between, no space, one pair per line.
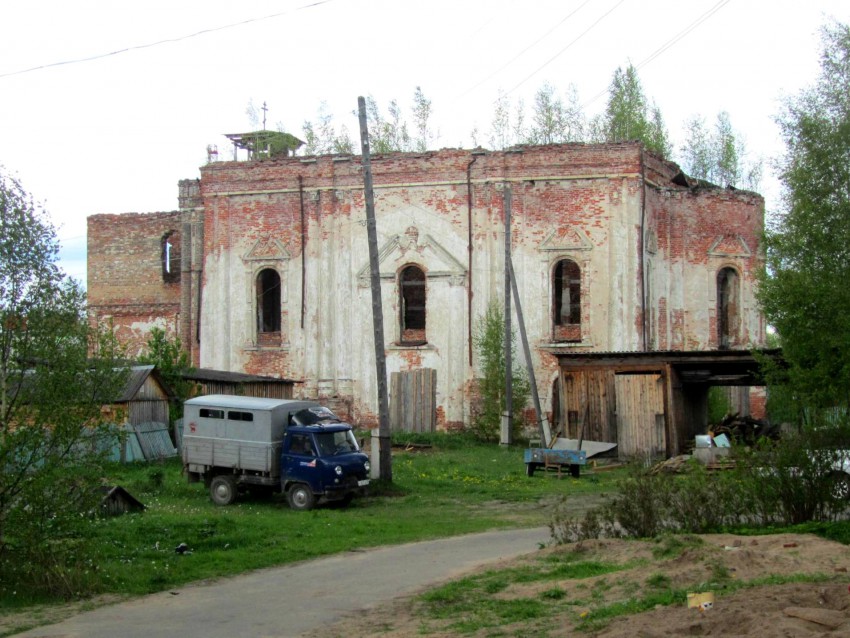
(125,275)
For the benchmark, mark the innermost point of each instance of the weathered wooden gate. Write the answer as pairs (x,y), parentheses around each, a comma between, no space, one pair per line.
(640,415)
(413,400)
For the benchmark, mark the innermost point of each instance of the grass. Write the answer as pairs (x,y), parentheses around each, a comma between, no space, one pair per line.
(473,603)
(457,486)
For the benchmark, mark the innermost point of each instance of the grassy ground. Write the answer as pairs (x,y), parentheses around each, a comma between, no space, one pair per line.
(455,487)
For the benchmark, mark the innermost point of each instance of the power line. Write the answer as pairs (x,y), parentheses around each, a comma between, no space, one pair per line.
(559,53)
(530,46)
(655,54)
(165,41)
(705,16)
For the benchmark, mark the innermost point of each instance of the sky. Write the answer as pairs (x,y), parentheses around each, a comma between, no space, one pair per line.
(105,104)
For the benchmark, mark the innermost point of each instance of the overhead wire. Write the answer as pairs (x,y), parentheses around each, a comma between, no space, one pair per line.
(664,47)
(164,41)
(562,51)
(523,51)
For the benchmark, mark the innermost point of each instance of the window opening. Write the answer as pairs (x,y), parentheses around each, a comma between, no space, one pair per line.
(268,301)
(240,416)
(413,305)
(567,301)
(170,254)
(727,307)
(207,413)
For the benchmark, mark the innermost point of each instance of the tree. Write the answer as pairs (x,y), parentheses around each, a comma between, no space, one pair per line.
(324,138)
(500,126)
(803,291)
(489,339)
(386,135)
(56,371)
(422,121)
(172,362)
(548,117)
(718,156)
(628,116)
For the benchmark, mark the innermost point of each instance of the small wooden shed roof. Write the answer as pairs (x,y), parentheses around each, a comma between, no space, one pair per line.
(138,377)
(252,385)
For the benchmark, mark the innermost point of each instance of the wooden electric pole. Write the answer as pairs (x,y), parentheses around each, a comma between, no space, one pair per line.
(385,457)
(507,418)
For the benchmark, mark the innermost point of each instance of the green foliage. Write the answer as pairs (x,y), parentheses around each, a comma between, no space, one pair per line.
(628,116)
(172,363)
(553,120)
(719,155)
(324,138)
(458,486)
(803,292)
(390,134)
(469,604)
(718,404)
(784,482)
(489,340)
(422,121)
(55,374)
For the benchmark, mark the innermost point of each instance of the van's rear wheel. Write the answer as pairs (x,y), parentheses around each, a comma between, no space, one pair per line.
(301,497)
(223,489)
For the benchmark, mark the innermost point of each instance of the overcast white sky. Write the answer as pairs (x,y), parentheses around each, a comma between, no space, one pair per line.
(115,133)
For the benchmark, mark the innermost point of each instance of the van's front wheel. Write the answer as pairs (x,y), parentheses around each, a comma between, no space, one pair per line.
(223,489)
(301,497)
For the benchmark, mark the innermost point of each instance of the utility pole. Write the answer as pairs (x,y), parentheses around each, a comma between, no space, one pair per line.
(507,417)
(385,470)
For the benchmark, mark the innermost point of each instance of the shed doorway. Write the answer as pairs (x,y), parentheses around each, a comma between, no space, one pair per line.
(640,415)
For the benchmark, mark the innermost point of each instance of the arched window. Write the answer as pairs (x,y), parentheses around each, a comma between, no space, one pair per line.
(170,256)
(728,317)
(566,302)
(412,305)
(268,301)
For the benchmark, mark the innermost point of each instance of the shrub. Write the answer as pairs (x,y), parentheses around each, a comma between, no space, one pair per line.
(489,339)
(784,482)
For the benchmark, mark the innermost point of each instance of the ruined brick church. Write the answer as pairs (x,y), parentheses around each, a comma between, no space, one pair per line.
(264,267)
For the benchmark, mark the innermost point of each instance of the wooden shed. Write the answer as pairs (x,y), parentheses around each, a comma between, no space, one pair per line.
(651,404)
(143,399)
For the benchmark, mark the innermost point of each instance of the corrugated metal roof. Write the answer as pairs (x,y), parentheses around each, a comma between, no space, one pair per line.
(155,440)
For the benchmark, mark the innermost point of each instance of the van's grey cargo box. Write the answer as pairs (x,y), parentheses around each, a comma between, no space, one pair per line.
(242,433)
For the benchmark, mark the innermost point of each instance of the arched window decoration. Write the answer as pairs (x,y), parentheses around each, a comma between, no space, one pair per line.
(170,256)
(268,301)
(566,302)
(728,317)
(412,304)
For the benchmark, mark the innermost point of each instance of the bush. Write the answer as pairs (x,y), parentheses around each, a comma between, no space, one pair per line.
(784,482)
(489,339)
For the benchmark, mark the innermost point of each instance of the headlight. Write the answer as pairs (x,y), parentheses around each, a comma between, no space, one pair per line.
(367,466)
(338,470)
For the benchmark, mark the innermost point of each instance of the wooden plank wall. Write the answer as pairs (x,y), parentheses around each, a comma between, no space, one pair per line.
(145,411)
(640,415)
(587,405)
(252,389)
(151,390)
(413,400)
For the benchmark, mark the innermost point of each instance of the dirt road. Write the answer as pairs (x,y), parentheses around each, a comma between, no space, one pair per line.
(292,600)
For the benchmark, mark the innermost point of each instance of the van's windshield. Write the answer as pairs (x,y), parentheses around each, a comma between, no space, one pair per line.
(331,443)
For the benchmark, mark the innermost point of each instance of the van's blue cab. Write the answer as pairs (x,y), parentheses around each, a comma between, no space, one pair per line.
(321,460)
